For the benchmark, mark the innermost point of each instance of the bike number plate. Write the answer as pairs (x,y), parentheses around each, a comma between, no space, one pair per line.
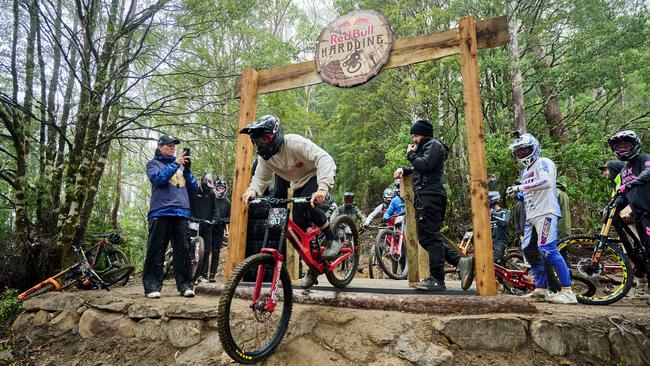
(277,216)
(194,226)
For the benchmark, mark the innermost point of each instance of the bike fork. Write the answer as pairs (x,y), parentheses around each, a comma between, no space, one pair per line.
(278,260)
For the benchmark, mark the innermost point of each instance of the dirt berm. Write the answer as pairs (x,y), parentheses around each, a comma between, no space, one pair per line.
(121,327)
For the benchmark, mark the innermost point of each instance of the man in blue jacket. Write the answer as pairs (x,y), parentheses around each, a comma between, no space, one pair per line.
(169,209)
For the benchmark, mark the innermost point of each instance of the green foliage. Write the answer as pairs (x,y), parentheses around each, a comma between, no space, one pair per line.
(9,306)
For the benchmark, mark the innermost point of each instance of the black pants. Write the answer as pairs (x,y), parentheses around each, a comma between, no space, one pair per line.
(429,215)
(643,227)
(213,240)
(161,231)
(499,247)
(303,214)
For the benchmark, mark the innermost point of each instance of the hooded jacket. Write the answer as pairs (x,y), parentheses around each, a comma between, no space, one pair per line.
(428,169)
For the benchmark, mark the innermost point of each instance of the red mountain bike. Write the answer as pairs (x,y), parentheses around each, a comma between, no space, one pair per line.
(255,306)
(390,249)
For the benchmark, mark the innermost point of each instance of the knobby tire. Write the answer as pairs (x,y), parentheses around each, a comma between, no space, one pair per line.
(234,350)
(611,252)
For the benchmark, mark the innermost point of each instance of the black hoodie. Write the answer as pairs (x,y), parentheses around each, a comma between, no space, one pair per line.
(429,167)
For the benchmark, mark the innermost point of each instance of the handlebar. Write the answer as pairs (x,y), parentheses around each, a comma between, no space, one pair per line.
(279,201)
(114,238)
(202,221)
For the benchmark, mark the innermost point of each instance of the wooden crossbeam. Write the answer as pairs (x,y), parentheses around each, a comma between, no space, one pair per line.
(491,32)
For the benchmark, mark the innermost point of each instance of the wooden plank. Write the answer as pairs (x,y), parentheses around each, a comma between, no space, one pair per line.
(483,263)
(491,32)
(242,173)
(411,238)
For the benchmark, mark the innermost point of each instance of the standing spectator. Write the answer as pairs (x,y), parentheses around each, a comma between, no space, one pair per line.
(542,215)
(427,156)
(564,224)
(169,209)
(203,206)
(221,219)
(611,171)
(500,220)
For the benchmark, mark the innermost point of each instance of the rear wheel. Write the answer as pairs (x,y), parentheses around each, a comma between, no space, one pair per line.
(395,266)
(612,274)
(250,332)
(343,274)
(119,271)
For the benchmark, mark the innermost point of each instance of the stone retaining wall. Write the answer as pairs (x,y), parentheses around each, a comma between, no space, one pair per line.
(192,332)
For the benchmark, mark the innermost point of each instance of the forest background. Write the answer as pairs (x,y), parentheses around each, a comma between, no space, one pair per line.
(87,86)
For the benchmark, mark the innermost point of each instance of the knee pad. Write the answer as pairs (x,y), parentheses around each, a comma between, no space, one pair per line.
(532,255)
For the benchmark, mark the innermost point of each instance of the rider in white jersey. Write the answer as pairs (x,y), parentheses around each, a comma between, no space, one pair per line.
(540,192)
(542,215)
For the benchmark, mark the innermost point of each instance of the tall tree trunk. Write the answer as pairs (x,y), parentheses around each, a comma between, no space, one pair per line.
(515,76)
(552,111)
(41,195)
(21,128)
(118,191)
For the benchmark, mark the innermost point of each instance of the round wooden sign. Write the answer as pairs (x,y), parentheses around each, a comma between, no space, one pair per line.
(353,48)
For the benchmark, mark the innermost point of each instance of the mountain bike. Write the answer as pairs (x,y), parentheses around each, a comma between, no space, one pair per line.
(196,249)
(255,306)
(80,274)
(111,264)
(600,257)
(513,274)
(390,251)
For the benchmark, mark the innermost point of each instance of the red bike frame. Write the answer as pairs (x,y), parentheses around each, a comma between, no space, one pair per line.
(300,240)
(514,278)
(395,248)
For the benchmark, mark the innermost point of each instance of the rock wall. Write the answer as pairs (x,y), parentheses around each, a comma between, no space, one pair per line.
(186,334)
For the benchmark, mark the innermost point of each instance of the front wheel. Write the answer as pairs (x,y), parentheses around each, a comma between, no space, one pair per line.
(197,251)
(611,275)
(250,331)
(395,266)
(343,274)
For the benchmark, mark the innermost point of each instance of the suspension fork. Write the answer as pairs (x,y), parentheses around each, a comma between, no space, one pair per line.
(278,260)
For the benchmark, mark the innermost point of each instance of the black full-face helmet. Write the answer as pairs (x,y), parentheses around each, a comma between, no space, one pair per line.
(625,144)
(266,134)
(207,183)
(494,197)
(220,188)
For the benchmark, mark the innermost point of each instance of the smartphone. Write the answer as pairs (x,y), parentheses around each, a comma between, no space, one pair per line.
(186,151)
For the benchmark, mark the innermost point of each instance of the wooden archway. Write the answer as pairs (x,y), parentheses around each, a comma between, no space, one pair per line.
(464,40)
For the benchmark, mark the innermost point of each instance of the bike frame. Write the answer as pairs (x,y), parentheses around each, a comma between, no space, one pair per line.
(301,242)
(67,278)
(514,278)
(396,248)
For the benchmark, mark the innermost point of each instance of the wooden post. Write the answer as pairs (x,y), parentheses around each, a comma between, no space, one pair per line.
(483,263)
(293,259)
(411,237)
(243,172)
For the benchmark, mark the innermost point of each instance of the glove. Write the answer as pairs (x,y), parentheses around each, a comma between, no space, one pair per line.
(188,164)
(383,220)
(623,189)
(513,190)
(366,226)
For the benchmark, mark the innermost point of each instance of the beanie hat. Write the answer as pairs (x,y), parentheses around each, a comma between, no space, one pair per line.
(422,127)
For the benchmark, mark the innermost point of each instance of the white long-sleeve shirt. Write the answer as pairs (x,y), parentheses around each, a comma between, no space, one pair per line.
(540,192)
(297,161)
